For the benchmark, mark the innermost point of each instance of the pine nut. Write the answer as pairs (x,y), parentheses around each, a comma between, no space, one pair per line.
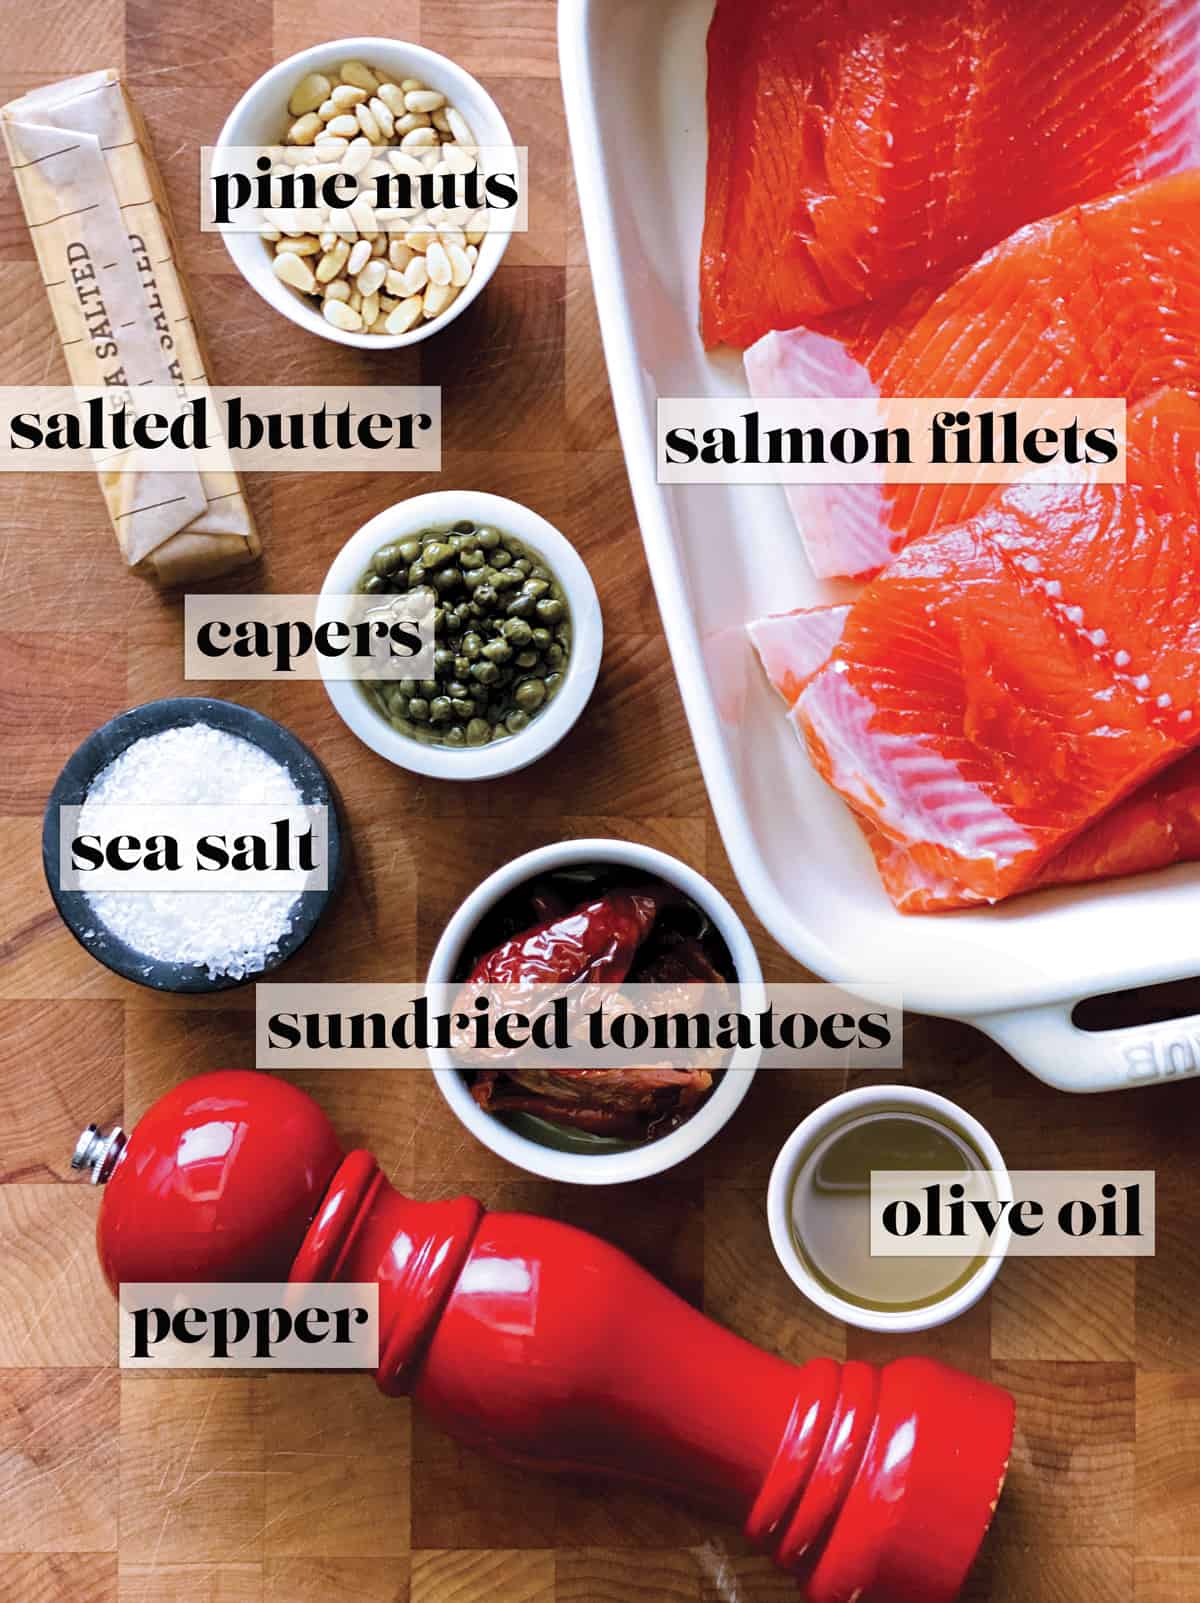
(399,255)
(358,155)
(402,162)
(366,121)
(338,290)
(355,301)
(438,263)
(458,126)
(409,121)
(388,302)
(333,261)
(404,316)
(472,254)
(440,121)
(327,109)
(457,160)
(271,234)
(292,269)
(411,83)
(362,214)
(361,77)
(331,148)
(358,258)
(416,276)
(418,241)
(379,245)
(344,125)
(369,310)
(393,98)
(347,95)
(383,117)
(419,139)
(306,245)
(305,129)
(342,316)
(371,277)
(460,267)
(437,298)
(309,93)
(423,100)
(394,283)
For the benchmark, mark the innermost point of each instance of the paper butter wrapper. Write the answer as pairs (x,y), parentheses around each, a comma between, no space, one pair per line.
(97,213)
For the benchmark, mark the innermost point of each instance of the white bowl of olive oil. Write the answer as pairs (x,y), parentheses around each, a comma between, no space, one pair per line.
(819,1207)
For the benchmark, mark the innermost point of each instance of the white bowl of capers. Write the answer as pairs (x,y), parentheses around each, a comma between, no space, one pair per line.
(517,630)
(397,282)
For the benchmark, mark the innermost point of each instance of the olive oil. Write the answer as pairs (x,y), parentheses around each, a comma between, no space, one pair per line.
(831,1217)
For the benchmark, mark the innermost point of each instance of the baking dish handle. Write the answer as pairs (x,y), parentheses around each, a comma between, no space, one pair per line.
(1047,1042)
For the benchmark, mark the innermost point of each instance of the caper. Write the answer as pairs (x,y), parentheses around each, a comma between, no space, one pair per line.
(463,706)
(485,673)
(429,687)
(516,721)
(470,646)
(523,566)
(517,632)
(446,580)
(478,732)
(521,606)
(410,550)
(436,553)
(470,560)
(527,659)
(474,577)
(485,596)
(489,539)
(441,710)
(464,526)
(509,579)
(454,736)
(388,557)
(536,588)
(501,558)
(418,710)
(563,634)
(443,659)
(553,680)
(555,656)
(415,574)
(550,610)
(373,583)
(453,623)
(497,651)
(542,638)
(530,694)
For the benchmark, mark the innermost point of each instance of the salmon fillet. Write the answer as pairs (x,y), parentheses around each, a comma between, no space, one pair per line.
(1157,827)
(1101,300)
(1010,679)
(858,147)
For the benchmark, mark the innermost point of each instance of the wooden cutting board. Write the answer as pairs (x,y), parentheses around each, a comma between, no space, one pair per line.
(312,1488)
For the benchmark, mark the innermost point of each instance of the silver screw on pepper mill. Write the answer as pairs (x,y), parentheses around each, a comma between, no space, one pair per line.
(99,1152)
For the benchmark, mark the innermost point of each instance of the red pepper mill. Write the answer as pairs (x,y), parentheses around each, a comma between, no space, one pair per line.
(553,1350)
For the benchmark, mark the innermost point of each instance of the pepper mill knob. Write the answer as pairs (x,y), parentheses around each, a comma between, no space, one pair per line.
(218,1181)
(529,1338)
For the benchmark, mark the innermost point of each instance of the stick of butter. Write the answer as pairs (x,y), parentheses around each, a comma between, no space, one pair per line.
(97,213)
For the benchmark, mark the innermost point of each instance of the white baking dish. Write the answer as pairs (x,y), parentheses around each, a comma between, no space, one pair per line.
(634,81)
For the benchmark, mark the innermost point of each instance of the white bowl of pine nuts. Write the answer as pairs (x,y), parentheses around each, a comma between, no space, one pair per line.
(337,104)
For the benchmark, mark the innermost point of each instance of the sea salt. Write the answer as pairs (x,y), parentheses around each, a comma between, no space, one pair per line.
(227,933)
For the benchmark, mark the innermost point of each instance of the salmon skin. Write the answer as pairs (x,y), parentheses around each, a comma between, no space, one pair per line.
(1101,300)
(1009,680)
(860,147)
(1157,827)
